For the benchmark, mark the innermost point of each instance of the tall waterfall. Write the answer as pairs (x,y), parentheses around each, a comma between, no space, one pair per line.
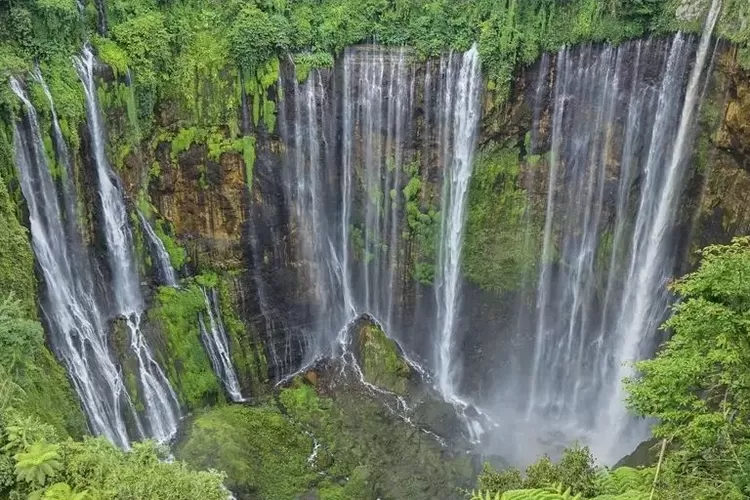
(161,406)
(216,343)
(163,266)
(458,130)
(353,144)
(73,317)
(622,124)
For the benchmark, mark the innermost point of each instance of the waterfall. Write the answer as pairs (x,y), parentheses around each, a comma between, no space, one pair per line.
(160,402)
(353,142)
(163,266)
(458,128)
(609,241)
(378,104)
(72,315)
(217,346)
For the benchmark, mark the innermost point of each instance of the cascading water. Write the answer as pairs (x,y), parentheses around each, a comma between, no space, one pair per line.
(160,402)
(458,128)
(164,270)
(609,245)
(346,184)
(73,317)
(217,346)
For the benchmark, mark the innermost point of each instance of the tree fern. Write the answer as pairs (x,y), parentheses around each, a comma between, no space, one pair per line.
(624,479)
(39,463)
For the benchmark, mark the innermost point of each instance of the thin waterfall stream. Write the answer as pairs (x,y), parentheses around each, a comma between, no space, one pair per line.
(164,270)
(216,342)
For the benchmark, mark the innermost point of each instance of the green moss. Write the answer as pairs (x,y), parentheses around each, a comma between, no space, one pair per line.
(177,254)
(248,355)
(189,370)
(184,138)
(16,257)
(381,361)
(208,279)
(501,238)
(48,395)
(247,145)
(423,226)
(369,453)
(111,54)
(256,87)
(306,61)
(263,454)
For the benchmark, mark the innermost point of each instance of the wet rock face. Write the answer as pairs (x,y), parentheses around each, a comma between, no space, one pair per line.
(203,200)
(724,148)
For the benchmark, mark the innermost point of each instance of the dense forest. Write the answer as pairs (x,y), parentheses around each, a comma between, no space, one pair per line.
(374,249)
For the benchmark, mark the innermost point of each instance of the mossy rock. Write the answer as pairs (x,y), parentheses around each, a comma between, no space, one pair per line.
(381,359)
(369,452)
(262,452)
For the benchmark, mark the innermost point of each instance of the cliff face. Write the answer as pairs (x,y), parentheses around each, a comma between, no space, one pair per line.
(228,194)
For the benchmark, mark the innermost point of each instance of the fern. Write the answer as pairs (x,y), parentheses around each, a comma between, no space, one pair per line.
(39,463)
(628,495)
(623,480)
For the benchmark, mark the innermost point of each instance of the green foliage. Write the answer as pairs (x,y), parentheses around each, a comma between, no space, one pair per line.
(424,226)
(111,54)
(499,481)
(499,248)
(306,61)
(575,473)
(255,37)
(203,82)
(105,472)
(175,313)
(263,454)
(16,258)
(697,386)
(60,491)
(381,362)
(40,463)
(33,381)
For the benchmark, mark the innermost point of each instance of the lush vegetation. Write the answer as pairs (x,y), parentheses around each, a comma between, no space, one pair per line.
(697,386)
(502,228)
(178,71)
(35,463)
(262,452)
(574,476)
